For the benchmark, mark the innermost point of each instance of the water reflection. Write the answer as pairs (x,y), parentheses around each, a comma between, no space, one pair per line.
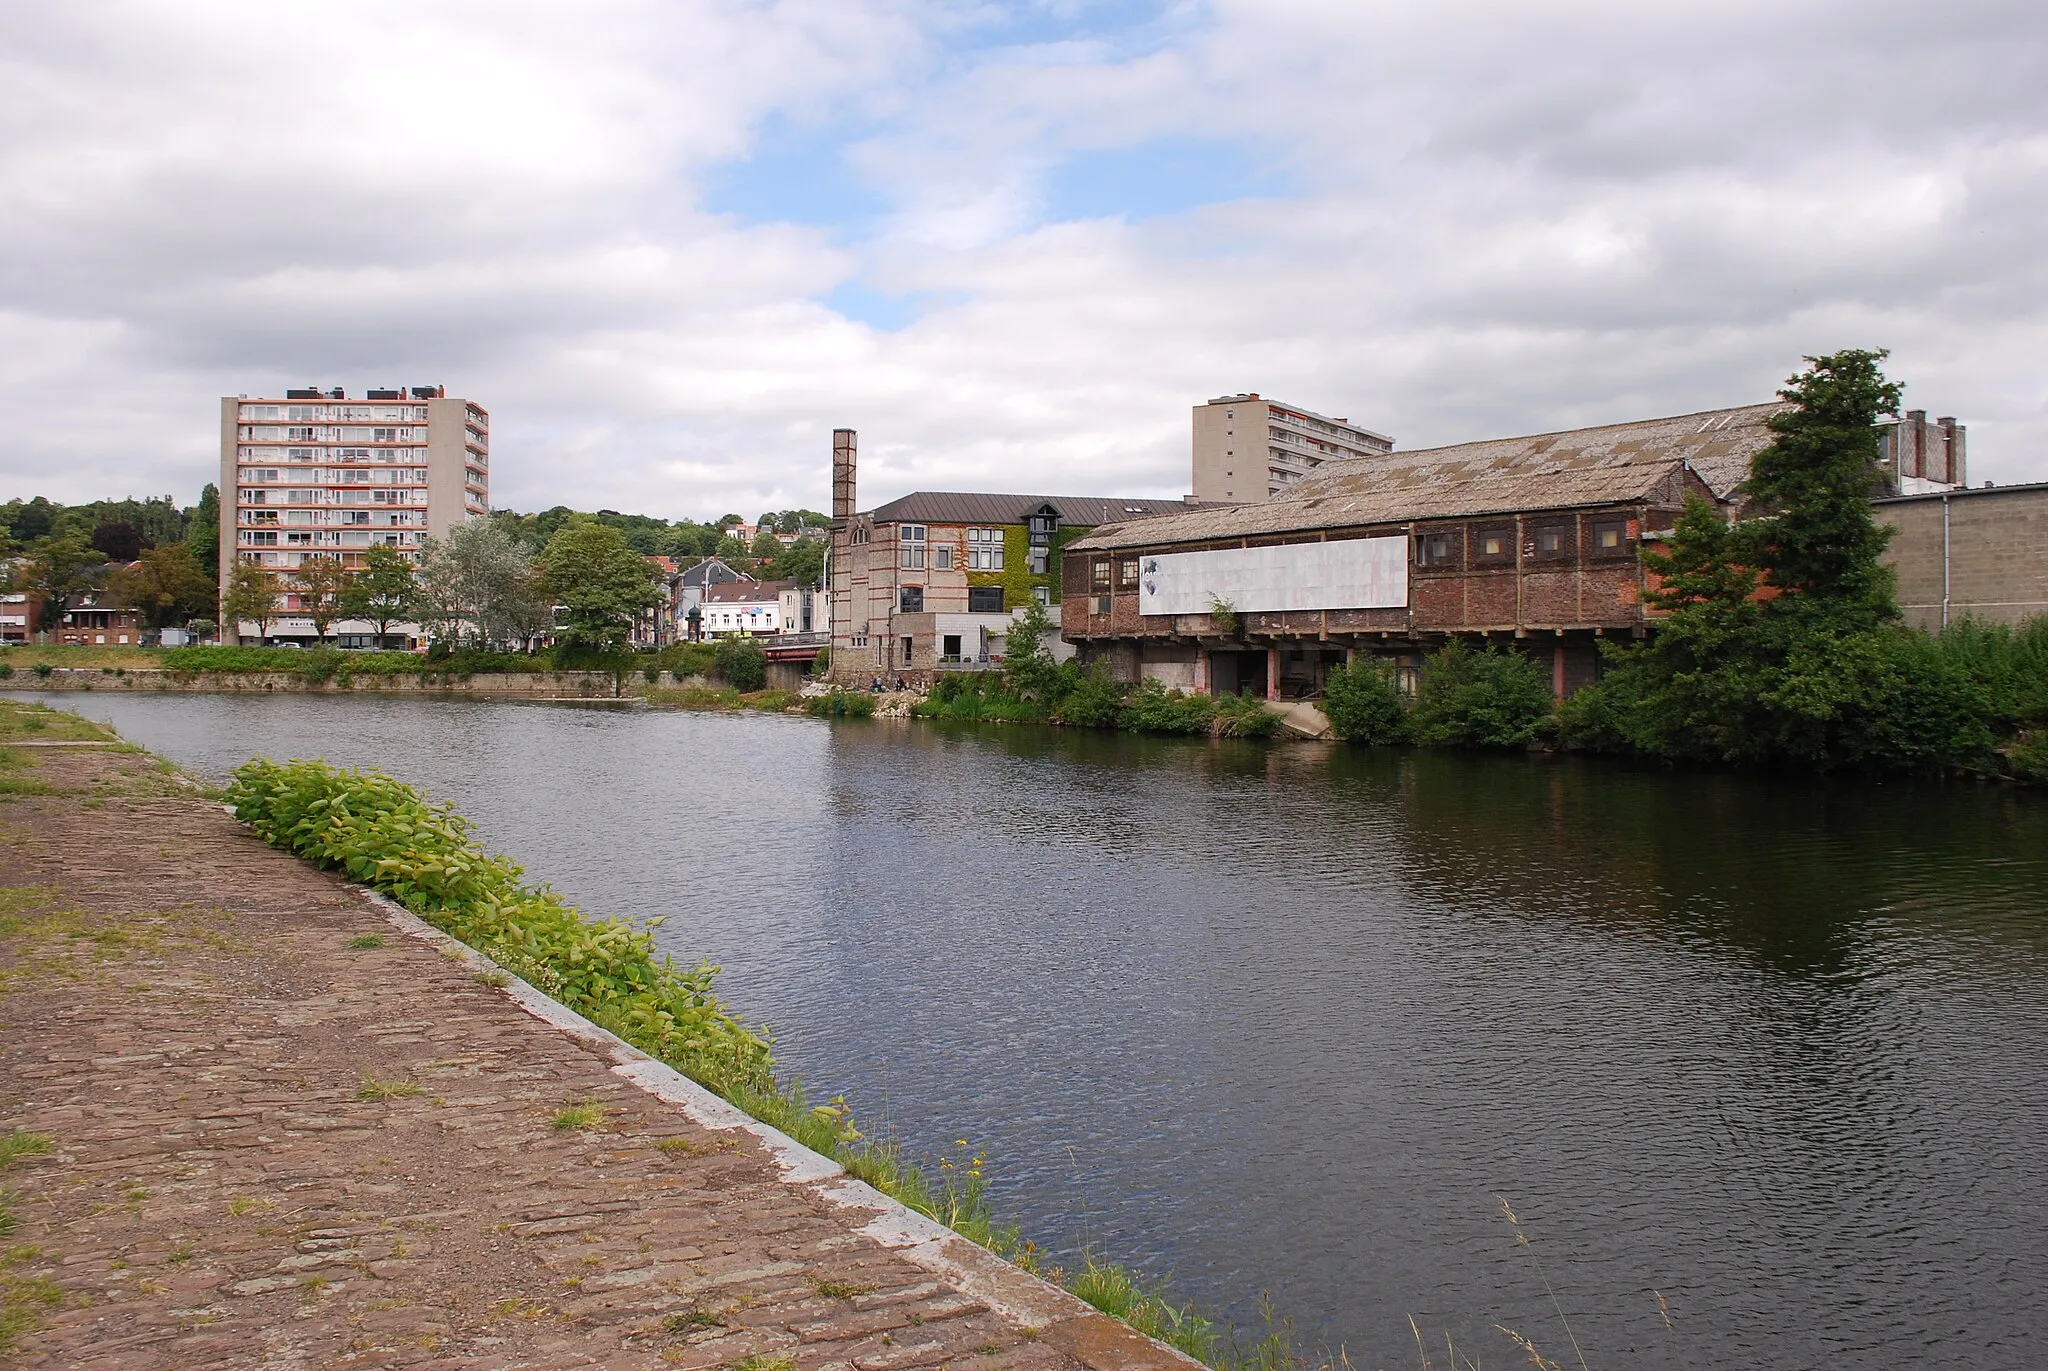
(1288,1018)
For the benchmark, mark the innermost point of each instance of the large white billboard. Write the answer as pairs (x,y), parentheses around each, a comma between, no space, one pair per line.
(1357,573)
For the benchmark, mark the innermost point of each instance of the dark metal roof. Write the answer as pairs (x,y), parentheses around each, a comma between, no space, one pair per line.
(1075,511)
(711,571)
(1611,464)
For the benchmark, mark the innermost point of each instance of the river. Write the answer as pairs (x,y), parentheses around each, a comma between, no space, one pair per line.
(1288,1019)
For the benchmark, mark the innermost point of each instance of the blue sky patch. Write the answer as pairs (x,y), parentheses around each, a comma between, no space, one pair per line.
(1165,176)
(796,176)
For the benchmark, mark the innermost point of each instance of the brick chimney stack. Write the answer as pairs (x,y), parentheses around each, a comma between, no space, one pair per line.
(843,454)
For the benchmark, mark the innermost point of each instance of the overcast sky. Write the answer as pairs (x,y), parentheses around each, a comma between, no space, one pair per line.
(670,245)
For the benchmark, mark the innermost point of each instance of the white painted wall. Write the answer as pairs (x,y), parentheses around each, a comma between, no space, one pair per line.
(1358,573)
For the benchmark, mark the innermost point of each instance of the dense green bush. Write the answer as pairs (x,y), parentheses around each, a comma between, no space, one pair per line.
(1152,708)
(1244,716)
(683,660)
(385,835)
(741,664)
(1473,697)
(326,663)
(1363,703)
(843,704)
(1088,698)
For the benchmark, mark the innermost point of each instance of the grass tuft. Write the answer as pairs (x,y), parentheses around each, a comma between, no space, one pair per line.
(364,942)
(374,1089)
(576,1117)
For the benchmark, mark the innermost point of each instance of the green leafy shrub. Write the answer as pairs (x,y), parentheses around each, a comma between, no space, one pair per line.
(43,669)
(1364,704)
(843,704)
(1244,716)
(1152,708)
(2029,756)
(741,664)
(6,671)
(1495,697)
(322,664)
(385,835)
(1088,699)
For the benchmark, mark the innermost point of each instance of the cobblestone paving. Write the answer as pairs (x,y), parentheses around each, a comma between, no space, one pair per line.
(274,1149)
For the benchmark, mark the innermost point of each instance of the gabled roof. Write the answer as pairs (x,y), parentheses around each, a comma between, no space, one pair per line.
(1075,511)
(746,592)
(1611,464)
(711,571)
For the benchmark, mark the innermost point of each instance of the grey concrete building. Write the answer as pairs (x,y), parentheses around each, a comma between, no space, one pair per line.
(1247,448)
(1970,554)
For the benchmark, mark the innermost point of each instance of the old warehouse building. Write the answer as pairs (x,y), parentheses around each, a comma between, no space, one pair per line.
(1532,539)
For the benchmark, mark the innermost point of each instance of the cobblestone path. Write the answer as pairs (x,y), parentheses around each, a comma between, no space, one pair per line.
(276,1146)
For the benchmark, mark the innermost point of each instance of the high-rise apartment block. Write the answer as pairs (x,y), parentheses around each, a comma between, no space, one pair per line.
(318,474)
(1248,448)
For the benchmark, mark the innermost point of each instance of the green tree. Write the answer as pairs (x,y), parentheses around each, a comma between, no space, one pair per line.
(1491,697)
(802,561)
(202,525)
(766,546)
(59,566)
(730,548)
(166,584)
(383,592)
(1810,530)
(249,597)
(1364,704)
(473,584)
(1027,660)
(741,664)
(602,584)
(322,585)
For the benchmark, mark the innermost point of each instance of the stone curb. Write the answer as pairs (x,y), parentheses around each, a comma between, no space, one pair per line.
(1065,1321)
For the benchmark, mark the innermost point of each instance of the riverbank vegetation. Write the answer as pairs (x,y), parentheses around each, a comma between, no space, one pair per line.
(385,835)
(1779,640)
(1032,688)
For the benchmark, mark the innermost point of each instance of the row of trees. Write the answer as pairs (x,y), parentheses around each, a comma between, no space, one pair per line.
(1779,642)
(477,587)
(146,554)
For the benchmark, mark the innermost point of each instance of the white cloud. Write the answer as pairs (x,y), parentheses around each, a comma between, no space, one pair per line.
(1503,218)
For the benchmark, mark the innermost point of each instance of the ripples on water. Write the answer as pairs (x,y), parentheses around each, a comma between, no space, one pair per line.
(1288,1018)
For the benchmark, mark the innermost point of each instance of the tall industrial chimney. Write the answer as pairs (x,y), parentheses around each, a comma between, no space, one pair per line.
(843,451)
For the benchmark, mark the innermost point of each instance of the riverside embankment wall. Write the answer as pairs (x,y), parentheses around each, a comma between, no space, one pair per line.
(496,685)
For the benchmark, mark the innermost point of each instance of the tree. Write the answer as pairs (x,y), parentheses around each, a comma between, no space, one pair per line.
(383,592)
(601,582)
(166,584)
(1026,660)
(1778,641)
(202,532)
(1491,697)
(1817,540)
(741,664)
(730,548)
(59,566)
(251,597)
(321,583)
(120,540)
(802,561)
(766,546)
(1363,702)
(470,581)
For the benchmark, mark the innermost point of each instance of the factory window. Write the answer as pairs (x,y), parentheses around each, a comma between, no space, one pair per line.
(1610,538)
(908,645)
(1551,542)
(949,648)
(1127,574)
(1493,545)
(942,557)
(984,599)
(910,600)
(910,540)
(1436,549)
(1101,573)
(984,549)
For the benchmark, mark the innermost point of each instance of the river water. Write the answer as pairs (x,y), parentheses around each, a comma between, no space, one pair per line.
(1288,1019)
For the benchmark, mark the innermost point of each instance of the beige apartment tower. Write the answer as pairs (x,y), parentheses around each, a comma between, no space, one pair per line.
(316,474)
(1248,448)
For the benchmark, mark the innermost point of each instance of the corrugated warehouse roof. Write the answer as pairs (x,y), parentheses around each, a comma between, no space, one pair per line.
(1076,511)
(1590,466)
